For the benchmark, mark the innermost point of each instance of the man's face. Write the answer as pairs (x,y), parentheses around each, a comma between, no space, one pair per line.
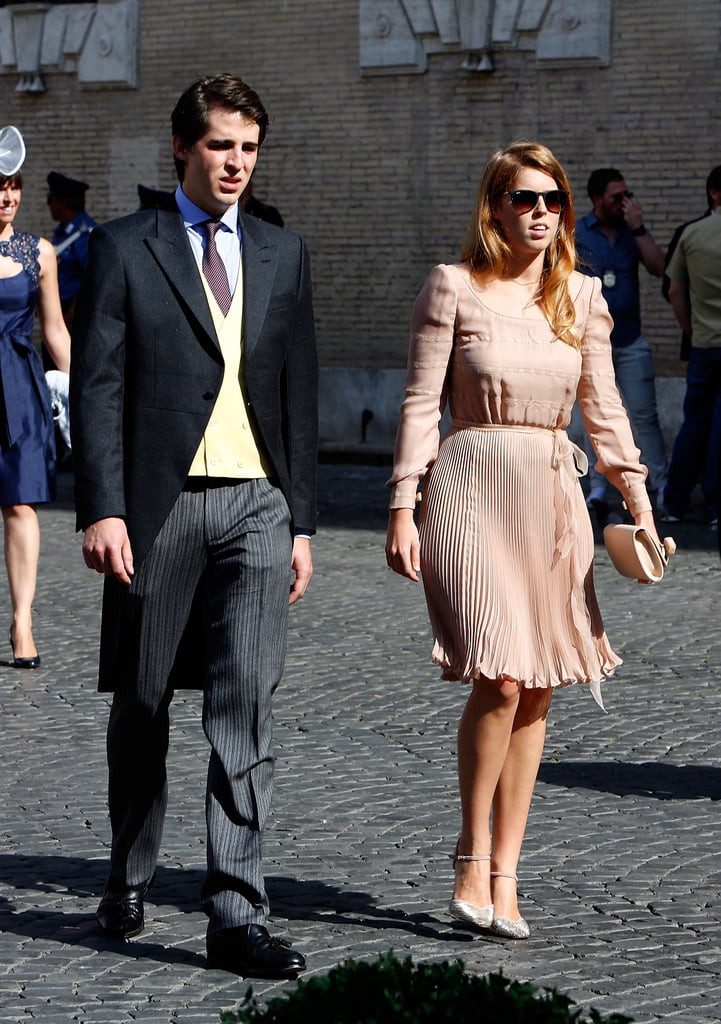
(58,210)
(609,208)
(219,165)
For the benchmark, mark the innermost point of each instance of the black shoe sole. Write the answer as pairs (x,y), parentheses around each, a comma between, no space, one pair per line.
(110,933)
(220,964)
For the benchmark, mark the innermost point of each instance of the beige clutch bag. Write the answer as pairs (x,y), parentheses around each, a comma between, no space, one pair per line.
(635,554)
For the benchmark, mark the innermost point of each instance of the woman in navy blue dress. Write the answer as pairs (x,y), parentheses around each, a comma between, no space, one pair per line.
(28,285)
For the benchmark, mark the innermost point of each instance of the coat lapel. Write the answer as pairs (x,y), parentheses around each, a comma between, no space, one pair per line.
(171,249)
(260,260)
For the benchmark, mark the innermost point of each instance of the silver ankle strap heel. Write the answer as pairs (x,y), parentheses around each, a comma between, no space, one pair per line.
(477,917)
(504,926)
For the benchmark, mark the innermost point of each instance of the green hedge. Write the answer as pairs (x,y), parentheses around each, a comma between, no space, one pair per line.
(400,992)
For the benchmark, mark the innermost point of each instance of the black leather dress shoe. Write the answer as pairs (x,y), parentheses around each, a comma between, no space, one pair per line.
(120,912)
(252,952)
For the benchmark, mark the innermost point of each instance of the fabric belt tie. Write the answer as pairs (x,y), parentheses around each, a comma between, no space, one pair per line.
(570,462)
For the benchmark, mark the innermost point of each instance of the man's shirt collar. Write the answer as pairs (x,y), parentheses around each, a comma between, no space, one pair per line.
(591,220)
(193,216)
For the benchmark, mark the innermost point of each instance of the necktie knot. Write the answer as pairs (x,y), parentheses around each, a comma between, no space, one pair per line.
(214,268)
(212,227)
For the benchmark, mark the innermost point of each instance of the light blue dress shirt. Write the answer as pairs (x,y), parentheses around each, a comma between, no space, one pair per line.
(227,240)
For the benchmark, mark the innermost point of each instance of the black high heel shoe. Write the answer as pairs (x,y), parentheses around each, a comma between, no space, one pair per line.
(33,662)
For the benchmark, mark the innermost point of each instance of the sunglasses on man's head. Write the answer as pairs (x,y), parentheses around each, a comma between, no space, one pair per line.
(618,196)
(523,200)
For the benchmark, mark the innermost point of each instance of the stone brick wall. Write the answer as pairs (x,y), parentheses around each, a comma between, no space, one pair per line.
(379,172)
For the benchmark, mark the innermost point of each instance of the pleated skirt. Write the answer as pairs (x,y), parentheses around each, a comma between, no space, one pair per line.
(507,561)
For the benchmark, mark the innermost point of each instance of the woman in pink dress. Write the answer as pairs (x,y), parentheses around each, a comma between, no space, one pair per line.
(506,340)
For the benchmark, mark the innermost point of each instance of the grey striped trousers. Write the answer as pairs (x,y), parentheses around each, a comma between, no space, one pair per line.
(225,553)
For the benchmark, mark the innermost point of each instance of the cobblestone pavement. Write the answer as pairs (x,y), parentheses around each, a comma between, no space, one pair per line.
(620,875)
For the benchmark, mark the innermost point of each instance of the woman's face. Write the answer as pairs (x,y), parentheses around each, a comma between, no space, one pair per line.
(9,201)
(531,233)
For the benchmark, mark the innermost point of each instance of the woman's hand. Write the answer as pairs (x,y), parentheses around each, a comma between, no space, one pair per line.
(646,520)
(667,546)
(402,544)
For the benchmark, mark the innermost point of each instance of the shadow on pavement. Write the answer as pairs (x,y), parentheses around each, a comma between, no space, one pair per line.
(292,900)
(318,901)
(661,781)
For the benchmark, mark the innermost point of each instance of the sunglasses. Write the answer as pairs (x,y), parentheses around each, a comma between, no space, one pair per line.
(523,200)
(618,197)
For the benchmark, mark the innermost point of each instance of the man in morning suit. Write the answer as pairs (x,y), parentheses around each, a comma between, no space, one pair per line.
(193,398)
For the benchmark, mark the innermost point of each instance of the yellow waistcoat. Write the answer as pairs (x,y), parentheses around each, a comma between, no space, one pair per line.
(228,447)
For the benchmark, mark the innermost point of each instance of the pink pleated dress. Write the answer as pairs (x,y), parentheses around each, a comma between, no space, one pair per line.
(506,540)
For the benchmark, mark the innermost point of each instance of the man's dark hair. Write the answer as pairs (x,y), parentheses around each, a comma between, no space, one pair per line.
(190,119)
(600,180)
(713,182)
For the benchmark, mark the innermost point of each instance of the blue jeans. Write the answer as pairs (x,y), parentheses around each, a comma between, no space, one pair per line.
(697,447)
(636,382)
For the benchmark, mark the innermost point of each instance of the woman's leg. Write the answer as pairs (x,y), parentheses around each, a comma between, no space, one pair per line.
(22,551)
(512,800)
(484,736)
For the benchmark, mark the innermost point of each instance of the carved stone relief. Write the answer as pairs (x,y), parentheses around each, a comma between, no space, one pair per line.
(396,36)
(96,41)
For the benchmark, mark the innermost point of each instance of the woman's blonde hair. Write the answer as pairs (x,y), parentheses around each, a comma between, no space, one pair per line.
(489,255)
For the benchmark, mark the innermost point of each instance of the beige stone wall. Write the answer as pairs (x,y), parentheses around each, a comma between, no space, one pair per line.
(379,173)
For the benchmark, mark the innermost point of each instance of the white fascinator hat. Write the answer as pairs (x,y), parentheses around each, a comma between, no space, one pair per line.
(12,150)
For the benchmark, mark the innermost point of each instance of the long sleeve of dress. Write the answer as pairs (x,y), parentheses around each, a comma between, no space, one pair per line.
(603,412)
(431,344)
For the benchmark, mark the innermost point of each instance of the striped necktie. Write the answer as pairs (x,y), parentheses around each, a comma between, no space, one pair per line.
(214,268)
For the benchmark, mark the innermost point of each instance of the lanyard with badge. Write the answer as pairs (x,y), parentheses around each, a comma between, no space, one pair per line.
(609,279)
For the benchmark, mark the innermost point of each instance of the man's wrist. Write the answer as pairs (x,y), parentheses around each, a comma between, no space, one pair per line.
(639,231)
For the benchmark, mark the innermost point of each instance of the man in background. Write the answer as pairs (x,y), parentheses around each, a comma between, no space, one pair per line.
(66,200)
(612,241)
(694,273)
(256,208)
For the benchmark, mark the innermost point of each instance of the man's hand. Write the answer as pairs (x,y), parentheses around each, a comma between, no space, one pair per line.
(632,212)
(302,565)
(106,548)
(652,255)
